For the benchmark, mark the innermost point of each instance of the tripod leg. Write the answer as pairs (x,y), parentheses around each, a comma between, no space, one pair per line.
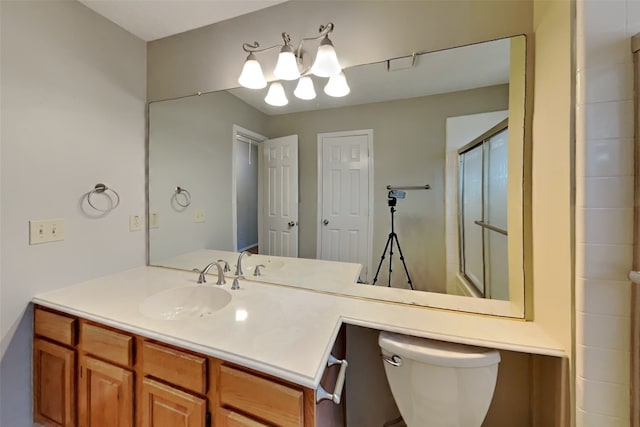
(392,236)
(375,278)
(406,270)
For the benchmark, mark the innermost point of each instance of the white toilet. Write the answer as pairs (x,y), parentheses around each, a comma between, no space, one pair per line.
(439,384)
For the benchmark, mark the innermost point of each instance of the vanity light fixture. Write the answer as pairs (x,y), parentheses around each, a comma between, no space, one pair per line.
(305,89)
(337,86)
(289,66)
(276,95)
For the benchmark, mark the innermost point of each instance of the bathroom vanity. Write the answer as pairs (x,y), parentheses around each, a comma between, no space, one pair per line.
(93,342)
(109,377)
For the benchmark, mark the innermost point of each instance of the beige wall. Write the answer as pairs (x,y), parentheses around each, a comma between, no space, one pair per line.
(190,145)
(409,149)
(552,175)
(211,58)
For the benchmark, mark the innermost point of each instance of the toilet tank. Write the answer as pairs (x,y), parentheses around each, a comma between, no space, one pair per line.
(439,383)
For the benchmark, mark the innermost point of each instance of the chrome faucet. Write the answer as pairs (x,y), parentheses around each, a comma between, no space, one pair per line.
(203,279)
(226,265)
(239,271)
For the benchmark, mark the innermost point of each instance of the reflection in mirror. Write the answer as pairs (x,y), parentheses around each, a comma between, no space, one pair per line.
(408,122)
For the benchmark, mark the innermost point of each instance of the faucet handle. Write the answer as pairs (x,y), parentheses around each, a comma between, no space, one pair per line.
(236,283)
(201,277)
(226,265)
(256,271)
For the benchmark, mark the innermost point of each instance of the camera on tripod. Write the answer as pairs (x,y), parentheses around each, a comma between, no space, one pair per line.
(394,195)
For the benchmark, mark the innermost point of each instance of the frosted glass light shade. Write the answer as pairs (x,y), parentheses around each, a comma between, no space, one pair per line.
(252,76)
(276,96)
(305,89)
(287,66)
(337,86)
(326,62)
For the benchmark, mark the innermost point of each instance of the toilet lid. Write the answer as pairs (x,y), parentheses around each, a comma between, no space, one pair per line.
(439,353)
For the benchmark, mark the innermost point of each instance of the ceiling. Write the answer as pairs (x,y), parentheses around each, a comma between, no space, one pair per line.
(450,70)
(155,19)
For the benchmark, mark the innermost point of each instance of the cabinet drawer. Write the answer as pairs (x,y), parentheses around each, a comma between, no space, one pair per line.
(176,367)
(106,344)
(227,418)
(56,327)
(273,402)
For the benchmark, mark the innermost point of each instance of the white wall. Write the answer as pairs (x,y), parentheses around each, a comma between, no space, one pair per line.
(73,102)
(604,209)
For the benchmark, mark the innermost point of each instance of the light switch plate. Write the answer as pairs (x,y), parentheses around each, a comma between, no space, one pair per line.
(198,215)
(46,230)
(153,220)
(135,222)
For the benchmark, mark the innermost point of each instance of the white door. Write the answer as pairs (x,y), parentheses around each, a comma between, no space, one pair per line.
(280,197)
(345,197)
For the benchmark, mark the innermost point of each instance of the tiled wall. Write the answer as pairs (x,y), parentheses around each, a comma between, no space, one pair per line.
(604,209)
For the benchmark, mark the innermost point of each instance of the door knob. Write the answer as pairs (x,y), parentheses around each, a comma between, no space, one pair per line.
(325,222)
(291,224)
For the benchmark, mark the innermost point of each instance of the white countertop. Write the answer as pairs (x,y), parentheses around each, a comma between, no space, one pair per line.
(288,332)
(298,272)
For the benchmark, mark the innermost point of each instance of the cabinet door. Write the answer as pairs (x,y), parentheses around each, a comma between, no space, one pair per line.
(53,383)
(165,406)
(105,395)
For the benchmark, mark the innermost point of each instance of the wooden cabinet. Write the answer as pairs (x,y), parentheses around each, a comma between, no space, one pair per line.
(228,418)
(53,384)
(124,381)
(105,395)
(175,366)
(262,398)
(106,344)
(165,406)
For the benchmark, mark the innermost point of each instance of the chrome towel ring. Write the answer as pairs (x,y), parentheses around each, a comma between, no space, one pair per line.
(182,193)
(110,193)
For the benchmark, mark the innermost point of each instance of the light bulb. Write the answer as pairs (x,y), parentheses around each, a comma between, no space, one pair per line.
(337,86)
(251,76)
(305,89)
(287,66)
(276,96)
(326,63)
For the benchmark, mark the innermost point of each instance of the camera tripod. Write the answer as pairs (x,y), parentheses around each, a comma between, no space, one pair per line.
(392,237)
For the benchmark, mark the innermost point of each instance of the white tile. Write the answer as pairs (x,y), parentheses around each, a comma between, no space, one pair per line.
(608,192)
(606,226)
(609,120)
(603,296)
(610,47)
(603,332)
(612,81)
(633,17)
(609,157)
(606,262)
(603,398)
(590,419)
(602,15)
(596,364)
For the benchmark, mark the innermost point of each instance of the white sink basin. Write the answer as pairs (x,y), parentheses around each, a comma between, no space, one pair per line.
(186,302)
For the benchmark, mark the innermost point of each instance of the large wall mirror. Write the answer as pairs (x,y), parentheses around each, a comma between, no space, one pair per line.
(429,146)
